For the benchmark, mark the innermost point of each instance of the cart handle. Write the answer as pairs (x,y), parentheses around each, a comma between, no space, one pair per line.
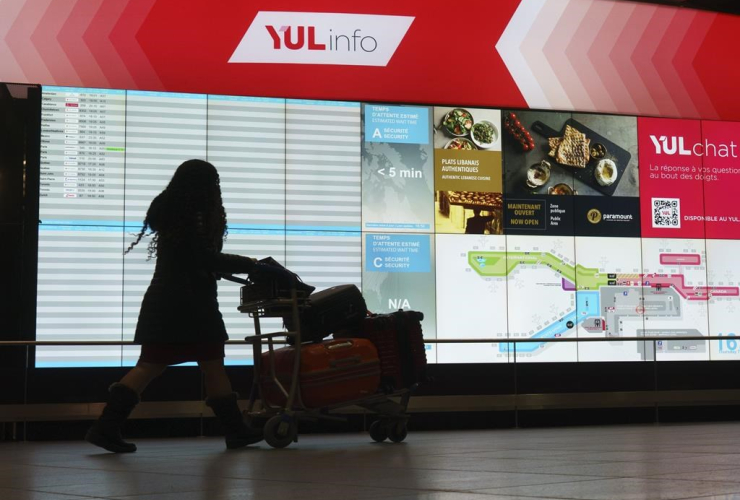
(251,339)
(231,277)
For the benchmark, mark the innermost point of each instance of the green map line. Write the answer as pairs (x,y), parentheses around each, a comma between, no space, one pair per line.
(501,264)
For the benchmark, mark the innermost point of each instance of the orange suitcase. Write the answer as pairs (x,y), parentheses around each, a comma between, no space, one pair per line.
(332,372)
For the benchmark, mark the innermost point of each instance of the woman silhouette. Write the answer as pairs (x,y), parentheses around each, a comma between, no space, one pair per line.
(179,319)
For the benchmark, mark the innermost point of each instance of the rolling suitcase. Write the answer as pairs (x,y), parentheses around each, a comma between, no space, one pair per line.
(336,308)
(400,342)
(331,372)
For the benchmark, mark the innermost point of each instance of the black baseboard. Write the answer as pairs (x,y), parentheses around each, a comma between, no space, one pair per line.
(443,421)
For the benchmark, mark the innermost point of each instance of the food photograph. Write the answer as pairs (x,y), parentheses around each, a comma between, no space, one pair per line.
(467,128)
(554,153)
(468,174)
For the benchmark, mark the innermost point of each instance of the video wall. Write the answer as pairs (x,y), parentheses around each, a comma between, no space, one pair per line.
(496,224)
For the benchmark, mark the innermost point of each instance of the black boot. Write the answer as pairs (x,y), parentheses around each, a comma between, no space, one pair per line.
(106,431)
(238,434)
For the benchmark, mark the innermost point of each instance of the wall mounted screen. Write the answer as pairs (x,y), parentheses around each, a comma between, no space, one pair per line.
(496,224)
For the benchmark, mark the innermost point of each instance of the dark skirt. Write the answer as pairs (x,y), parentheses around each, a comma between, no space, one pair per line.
(176,353)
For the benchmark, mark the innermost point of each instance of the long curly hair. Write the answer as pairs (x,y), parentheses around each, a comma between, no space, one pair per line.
(194,191)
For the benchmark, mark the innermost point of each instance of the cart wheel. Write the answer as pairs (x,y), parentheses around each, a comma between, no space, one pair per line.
(378,431)
(397,432)
(280,431)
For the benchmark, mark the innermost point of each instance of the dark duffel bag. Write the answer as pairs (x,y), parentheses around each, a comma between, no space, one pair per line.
(265,287)
(336,308)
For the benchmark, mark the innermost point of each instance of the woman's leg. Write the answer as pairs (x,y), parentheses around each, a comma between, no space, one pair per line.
(218,384)
(139,377)
(223,401)
(123,396)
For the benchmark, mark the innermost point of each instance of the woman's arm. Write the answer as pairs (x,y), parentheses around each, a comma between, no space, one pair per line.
(209,257)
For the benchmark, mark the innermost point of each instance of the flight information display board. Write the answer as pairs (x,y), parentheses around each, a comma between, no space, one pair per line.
(496,224)
(290,177)
(83,142)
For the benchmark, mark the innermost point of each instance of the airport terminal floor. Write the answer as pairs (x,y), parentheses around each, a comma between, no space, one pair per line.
(688,461)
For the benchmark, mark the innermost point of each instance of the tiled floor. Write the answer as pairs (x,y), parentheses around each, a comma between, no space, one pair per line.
(697,461)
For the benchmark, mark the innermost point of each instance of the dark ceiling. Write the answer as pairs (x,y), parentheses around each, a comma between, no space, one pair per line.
(729,6)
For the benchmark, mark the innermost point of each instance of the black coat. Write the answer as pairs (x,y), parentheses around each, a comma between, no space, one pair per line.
(181,303)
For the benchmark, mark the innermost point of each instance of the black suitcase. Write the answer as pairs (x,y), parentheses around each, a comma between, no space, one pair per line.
(400,342)
(336,308)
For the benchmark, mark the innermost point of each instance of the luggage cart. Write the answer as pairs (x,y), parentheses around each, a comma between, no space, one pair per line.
(281,426)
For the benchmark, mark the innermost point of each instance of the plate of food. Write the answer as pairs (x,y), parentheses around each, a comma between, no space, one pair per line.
(561,189)
(458,122)
(461,143)
(594,159)
(606,172)
(598,151)
(484,134)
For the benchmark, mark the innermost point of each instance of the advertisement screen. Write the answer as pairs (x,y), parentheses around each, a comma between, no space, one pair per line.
(496,224)
(467,171)
(721,161)
(672,185)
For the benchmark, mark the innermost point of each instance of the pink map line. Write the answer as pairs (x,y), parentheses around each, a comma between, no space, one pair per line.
(689,259)
(688,292)
(669,280)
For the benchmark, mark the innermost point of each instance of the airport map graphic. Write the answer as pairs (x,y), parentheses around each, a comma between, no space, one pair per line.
(606,303)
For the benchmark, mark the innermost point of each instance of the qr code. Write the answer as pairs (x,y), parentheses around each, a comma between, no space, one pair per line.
(667,212)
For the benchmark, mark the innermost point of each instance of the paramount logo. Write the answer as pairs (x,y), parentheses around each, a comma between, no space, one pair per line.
(594,216)
(321,38)
(620,217)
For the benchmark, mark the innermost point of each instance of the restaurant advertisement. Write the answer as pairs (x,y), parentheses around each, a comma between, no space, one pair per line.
(567,173)
(467,171)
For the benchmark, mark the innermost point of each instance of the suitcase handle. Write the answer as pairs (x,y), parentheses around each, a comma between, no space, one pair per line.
(414,314)
(339,345)
(354,360)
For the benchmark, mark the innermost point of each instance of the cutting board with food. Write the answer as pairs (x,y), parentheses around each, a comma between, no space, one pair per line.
(593,158)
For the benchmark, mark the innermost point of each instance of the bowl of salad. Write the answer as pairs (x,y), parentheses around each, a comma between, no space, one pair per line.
(461,144)
(458,122)
(484,134)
